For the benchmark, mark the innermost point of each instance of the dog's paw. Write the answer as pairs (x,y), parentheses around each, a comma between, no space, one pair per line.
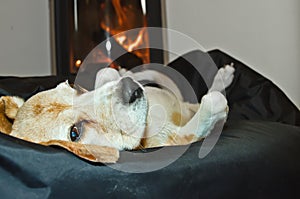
(214,104)
(223,78)
(227,74)
(213,108)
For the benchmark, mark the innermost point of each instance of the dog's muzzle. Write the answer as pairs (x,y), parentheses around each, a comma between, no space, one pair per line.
(130,108)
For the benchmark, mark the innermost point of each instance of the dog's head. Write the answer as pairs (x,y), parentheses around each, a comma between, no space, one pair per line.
(113,115)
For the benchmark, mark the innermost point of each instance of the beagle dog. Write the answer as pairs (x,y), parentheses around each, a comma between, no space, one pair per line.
(119,114)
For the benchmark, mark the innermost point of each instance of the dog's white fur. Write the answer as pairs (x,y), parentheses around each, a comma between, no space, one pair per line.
(158,117)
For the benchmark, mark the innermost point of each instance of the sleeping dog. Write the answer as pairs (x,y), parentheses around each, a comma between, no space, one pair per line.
(119,114)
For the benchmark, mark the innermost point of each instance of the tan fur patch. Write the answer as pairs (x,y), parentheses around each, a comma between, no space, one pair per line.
(177,118)
(189,138)
(57,107)
(37,109)
(54,108)
(90,152)
(181,140)
(2,106)
(10,106)
(8,112)
(5,125)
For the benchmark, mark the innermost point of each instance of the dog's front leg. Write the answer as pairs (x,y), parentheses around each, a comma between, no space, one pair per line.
(223,78)
(213,108)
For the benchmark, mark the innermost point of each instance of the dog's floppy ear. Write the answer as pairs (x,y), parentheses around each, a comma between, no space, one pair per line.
(9,106)
(106,75)
(89,152)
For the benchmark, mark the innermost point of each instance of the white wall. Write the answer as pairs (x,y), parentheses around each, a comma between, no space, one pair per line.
(24,38)
(264,34)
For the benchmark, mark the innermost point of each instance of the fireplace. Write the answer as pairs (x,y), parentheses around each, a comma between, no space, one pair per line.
(78,26)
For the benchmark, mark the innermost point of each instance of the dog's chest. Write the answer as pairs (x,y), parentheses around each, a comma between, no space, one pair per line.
(164,112)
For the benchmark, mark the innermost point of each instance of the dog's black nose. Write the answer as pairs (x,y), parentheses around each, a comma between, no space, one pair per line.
(131,91)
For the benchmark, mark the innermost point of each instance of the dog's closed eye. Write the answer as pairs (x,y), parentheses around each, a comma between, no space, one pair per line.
(76,131)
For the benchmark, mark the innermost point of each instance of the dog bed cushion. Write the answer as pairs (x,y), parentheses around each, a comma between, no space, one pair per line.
(257,154)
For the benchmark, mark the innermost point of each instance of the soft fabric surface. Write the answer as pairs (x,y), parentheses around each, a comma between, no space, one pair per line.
(250,160)
(257,155)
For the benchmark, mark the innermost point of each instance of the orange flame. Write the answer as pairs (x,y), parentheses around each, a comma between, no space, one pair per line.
(122,16)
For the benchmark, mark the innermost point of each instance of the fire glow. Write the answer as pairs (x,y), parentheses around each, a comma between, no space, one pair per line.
(112,21)
(118,18)
(120,29)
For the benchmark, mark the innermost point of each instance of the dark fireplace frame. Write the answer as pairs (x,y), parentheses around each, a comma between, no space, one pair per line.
(60,33)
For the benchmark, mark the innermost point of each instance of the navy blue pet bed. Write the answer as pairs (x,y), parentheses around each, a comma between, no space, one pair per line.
(257,155)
